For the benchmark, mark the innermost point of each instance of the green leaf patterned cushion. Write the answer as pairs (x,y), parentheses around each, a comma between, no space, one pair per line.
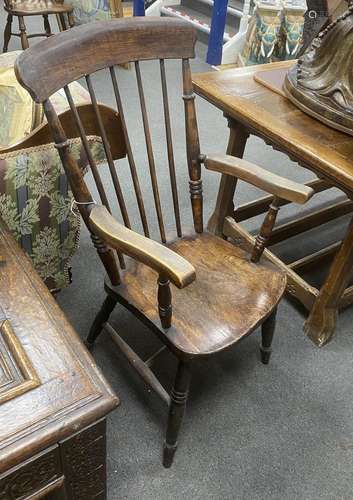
(36,204)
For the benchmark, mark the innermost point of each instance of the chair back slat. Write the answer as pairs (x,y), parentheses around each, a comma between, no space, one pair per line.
(151,162)
(192,148)
(108,154)
(72,54)
(92,164)
(171,162)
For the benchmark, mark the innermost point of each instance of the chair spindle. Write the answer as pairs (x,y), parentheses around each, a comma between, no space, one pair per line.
(151,162)
(88,152)
(193,148)
(108,154)
(169,140)
(93,166)
(130,156)
(266,230)
(164,301)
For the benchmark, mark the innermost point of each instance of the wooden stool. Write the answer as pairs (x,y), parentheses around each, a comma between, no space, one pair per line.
(44,8)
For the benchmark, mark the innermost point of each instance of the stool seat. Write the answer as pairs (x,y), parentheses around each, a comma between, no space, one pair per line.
(38,7)
(45,8)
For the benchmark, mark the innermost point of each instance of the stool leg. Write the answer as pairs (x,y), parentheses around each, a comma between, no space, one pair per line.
(179,396)
(63,22)
(47,25)
(7,32)
(22,26)
(268,329)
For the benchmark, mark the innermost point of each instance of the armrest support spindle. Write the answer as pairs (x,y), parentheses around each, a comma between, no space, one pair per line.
(265,231)
(164,301)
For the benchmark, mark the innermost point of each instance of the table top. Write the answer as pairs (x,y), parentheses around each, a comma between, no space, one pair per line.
(328,152)
(50,386)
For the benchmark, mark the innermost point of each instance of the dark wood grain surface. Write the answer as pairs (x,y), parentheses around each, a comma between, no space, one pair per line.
(255,109)
(103,45)
(326,151)
(68,393)
(227,301)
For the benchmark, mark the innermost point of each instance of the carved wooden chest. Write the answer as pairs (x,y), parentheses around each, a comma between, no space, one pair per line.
(53,399)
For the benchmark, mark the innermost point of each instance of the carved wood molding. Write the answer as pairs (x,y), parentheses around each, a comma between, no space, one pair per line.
(17,374)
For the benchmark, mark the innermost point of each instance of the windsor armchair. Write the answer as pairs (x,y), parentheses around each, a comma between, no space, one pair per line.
(210,293)
(25,8)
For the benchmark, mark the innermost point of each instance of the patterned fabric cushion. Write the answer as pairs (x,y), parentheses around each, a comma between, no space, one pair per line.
(35,201)
(36,204)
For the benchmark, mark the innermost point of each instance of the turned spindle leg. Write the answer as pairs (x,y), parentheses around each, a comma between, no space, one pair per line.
(268,329)
(108,259)
(178,396)
(265,230)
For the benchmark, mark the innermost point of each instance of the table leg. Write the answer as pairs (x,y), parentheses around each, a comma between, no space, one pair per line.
(224,206)
(320,325)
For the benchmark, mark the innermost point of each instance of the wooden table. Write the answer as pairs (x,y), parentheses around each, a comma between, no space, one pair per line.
(53,398)
(252,108)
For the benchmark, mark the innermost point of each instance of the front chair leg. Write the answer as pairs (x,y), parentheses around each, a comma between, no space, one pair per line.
(101,318)
(47,25)
(179,396)
(268,329)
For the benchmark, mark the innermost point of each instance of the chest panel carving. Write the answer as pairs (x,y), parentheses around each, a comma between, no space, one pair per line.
(17,374)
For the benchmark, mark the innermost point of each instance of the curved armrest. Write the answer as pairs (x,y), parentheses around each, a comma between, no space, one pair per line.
(149,252)
(259,177)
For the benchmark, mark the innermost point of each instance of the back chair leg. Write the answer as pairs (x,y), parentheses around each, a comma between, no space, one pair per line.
(268,329)
(101,318)
(179,396)
(23,34)
(47,25)
(7,32)
(63,22)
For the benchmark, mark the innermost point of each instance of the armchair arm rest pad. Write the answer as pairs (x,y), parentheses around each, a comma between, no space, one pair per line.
(148,252)
(259,177)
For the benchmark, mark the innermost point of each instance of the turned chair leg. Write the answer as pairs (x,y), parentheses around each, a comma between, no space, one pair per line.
(268,329)
(23,34)
(179,396)
(63,22)
(7,32)
(101,318)
(47,25)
